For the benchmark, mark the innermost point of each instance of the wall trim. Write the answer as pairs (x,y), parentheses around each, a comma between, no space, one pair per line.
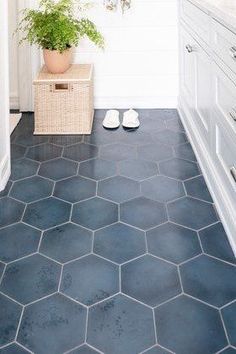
(5,171)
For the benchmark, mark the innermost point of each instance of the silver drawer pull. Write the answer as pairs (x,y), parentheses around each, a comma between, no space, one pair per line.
(233,172)
(189,48)
(233,52)
(233,114)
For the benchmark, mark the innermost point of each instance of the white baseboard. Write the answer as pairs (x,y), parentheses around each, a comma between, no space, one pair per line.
(223,204)
(5,171)
(135,102)
(14,101)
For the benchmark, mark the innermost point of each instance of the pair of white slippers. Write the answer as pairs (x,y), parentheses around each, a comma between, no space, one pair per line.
(112,121)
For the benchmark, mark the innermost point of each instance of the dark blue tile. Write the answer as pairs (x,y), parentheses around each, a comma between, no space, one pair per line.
(58,169)
(44,152)
(209,280)
(81,152)
(6,190)
(229,317)
(175,124)
(31,189)
(2,266)
(179,169)
(17,151)
(192,213)
(136,137)
(159,113)
(170,137)
(95,213)
(47,213)
(151,124)
(157,350)
(84,349)
(120,325)
(215,242)
(23,168)
(66,242)
(150,280)
(28,139)
(118,152)
(97,169)
(162,189)
(188,326)
(11,211)
(9,318)
(229,351)
(53,318)
(138,169)
(185,151)
(75,189)
(143,213)
(65,140)
(173,243)
(119,243)
(196,187)
(13,349)
(17,241)
(30,278)
(155,152)
(118,189)
(103,137)
(90,279)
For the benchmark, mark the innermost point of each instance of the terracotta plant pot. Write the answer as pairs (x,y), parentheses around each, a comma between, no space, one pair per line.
(56,62)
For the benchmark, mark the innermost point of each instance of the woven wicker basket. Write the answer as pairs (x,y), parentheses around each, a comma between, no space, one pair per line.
(64,102)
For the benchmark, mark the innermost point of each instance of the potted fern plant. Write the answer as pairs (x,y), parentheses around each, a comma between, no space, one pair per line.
(56,28)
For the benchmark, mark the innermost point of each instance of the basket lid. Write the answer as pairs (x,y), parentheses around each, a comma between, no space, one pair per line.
(76,73)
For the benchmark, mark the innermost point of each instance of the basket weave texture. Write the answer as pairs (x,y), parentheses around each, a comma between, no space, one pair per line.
(63,103)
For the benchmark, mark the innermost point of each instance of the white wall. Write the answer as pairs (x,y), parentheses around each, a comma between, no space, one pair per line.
(4,99)
(13,53)
(139,67)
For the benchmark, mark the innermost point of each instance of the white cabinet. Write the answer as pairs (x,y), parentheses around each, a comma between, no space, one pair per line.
(207,104)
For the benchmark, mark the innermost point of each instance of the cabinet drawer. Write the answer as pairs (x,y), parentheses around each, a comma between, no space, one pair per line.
(198,20)
(224,44)
(224,102)
(225,150)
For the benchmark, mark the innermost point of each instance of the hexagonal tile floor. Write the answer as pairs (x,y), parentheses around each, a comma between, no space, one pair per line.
(111,244)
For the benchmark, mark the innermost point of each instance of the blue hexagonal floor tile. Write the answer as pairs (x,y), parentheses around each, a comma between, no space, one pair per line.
(170,137)
(75,189)
(175,124)
(192,213)
(2,266)
(28,139)
(119,243)
(58,169)
(80,152)
(173,243)
(196,187)
(179,169)
(118,189)
(47,213)
(95,213)
(65,140)
(150,280)
(67,242)
(31,189)
(90,279)
(17,241)
(188,326)
(9,319)
(138,169)
(229,351)
(155,152)
(229,317)
(55,317)
(215,242)
(103,137)
(143,213)
(120,325)
(13,349)
(17,151)
(30,278)
(23,168)
(185,151)
(118,152)
(84,349)
(11,211)
(209,280)
(136,137)
(157,350)
(97,169)
(162,189)
(44,152)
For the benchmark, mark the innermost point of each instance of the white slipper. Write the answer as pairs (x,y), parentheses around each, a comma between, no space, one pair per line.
(130,119)
(111,120)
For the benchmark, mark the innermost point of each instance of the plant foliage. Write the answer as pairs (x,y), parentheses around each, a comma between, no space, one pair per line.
(55,26)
